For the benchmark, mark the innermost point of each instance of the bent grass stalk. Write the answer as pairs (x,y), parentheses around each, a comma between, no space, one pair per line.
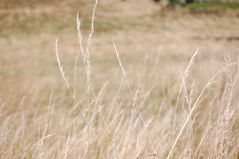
(86,60)
(191,112)
(61,68)
(134,97)
(183,83)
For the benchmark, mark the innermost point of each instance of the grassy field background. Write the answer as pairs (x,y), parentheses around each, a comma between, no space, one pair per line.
(131,111)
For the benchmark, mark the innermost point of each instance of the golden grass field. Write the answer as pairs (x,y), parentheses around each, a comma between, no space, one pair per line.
(142,90)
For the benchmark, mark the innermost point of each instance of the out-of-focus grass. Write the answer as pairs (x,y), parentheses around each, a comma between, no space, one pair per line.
(24,23)
(211,6)
(39,119)
(7,4)
(23,17)
(26,17)
(44,24)
(16,4)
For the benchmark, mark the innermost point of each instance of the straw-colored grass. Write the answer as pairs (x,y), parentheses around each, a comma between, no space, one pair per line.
(116,106)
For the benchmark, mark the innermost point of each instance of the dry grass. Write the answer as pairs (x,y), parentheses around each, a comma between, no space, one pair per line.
(122,94)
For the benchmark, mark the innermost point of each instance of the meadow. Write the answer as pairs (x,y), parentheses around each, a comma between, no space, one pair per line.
(117,79)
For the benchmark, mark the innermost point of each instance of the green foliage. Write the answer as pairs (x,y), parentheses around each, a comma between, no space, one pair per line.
(6,4)
(173,2)
(205,5)
(201,6)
